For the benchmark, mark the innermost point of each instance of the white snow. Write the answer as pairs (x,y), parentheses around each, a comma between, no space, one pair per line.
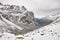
(49,32)
(7,36)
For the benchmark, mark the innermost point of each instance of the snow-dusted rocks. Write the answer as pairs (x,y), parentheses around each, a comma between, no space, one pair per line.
(1,4)
(18,14)
(17,19)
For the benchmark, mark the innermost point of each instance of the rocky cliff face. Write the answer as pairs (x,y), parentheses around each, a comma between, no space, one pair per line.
(16,18)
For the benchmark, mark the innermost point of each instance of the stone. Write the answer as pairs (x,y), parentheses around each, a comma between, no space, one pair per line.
(1,3)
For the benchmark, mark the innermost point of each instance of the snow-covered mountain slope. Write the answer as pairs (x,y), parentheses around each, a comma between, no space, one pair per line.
(48,32)
(18,20)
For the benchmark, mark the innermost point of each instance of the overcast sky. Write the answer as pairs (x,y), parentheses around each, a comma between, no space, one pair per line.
(39,7)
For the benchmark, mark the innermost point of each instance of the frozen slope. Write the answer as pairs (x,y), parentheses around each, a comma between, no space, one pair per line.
(49,32)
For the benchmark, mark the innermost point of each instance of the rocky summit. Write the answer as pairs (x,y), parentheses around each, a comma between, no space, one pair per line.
(16,19)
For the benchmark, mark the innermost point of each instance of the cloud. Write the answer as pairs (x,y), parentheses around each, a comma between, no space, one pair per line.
(37,6)
(41,4)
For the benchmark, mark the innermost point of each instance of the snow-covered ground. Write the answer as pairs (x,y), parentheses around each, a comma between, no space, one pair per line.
(7,36)
(49,32)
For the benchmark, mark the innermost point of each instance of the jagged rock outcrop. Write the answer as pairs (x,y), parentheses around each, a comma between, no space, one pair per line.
(16,18)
